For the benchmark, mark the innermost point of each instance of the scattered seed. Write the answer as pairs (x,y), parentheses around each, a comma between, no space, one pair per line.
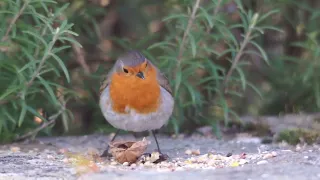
(235,164)
(50,157)
(262,162)
(65,160)
(188,152)
(63,151)
(15,149)
(147,164)
(192,152)
(113,163)
(243,161)
(270,155)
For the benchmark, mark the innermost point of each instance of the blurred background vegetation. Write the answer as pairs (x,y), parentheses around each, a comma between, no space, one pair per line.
(224,58)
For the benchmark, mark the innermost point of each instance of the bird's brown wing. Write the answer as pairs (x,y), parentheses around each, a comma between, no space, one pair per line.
(162,80)
(106,80)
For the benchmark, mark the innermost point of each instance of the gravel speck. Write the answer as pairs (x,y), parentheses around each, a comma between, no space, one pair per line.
(74,157)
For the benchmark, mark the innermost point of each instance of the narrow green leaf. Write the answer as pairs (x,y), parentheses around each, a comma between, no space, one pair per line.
(255,89)
(22,113)
(65,121)
(193,44)
(60,10)
(63,67)
(175,16)
(49,89)
(13,120)
(263,53)
(71,32)
(242,77)
(37,37)
(207,16)
(35,113)
(177,81)
(9,91)
(58,49)
(263,17)
(28,65)
(191,92)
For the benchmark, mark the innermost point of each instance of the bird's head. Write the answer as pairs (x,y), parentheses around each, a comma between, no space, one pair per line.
(133,65)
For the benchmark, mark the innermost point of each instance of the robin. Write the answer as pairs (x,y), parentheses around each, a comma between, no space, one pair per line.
(135,96)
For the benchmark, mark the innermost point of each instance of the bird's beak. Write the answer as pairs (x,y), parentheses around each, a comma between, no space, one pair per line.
(140,75)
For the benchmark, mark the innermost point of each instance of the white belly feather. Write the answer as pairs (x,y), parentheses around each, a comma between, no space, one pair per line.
(136,122)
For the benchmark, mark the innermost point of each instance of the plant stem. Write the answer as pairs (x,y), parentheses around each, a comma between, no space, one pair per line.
(190,22)
(215,12)
(184,38)
(238,56)
(43,60)
(52,119)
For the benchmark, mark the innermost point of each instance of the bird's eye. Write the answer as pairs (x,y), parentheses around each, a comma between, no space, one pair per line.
(125,70)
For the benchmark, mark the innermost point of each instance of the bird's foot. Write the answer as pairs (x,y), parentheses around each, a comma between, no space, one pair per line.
(106,154)
(149,157)
(162,157)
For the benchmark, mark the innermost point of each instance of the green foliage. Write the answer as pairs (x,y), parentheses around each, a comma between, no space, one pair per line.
(200,82)
(295,75)
(32,75)
(295,136)
(214,53)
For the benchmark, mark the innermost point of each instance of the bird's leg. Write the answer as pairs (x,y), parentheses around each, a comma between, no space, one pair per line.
(162,157)
(155,138)
(106,153)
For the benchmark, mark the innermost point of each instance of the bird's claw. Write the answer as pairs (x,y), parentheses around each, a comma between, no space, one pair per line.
(106,154)
(162,157)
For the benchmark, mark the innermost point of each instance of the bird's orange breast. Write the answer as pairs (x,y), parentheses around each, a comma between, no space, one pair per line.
(142,95)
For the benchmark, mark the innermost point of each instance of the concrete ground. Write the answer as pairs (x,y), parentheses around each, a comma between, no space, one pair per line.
(45,159)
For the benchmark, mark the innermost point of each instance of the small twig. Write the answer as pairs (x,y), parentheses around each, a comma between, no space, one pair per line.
(184,38)
(14,20)
(5,101)
(186,32)
(80,57)
(32,133)
(237,58)
(79,53)
(215,12)
(247,37)
(240,52)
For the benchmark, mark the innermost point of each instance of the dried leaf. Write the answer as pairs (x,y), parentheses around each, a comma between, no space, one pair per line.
(128,151)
